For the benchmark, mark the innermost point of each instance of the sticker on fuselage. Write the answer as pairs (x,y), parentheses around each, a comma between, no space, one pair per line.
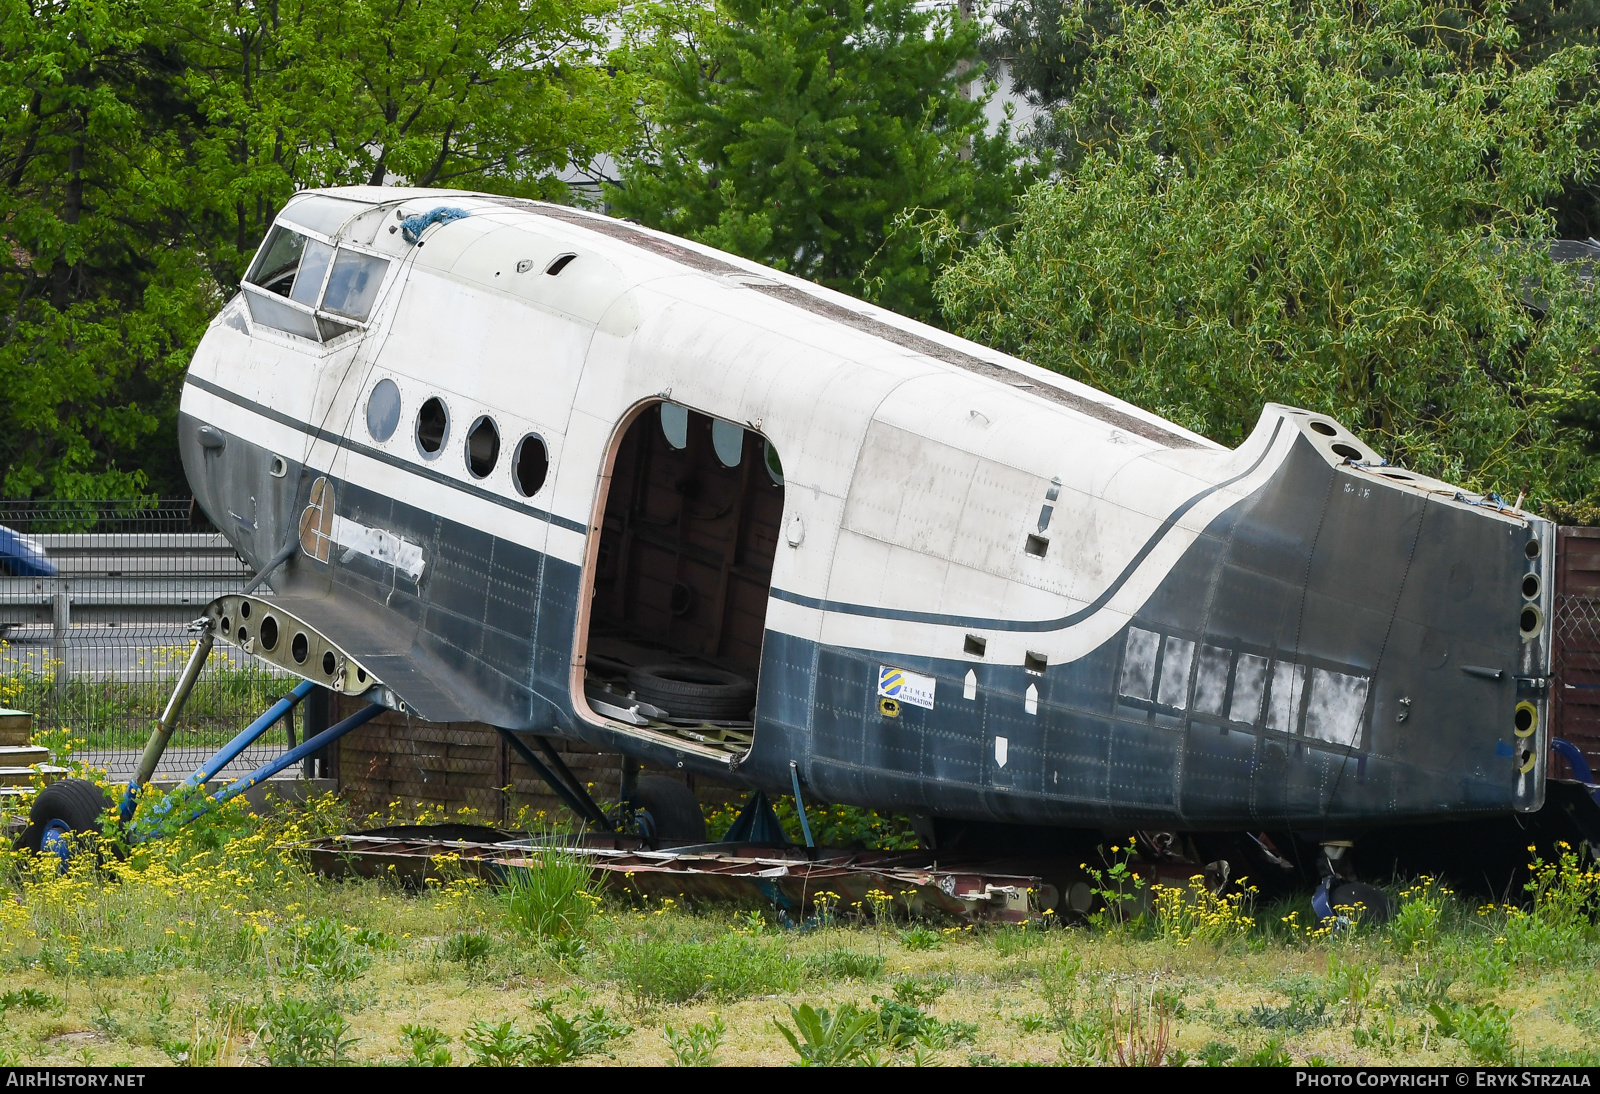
(907,687)
(322,529)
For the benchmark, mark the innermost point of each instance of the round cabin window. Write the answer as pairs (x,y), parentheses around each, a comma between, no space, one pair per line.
(483,447)
(433,426)
(533,463)
(383,410)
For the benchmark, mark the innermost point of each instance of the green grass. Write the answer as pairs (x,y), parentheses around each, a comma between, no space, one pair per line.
(119,713)
(218,946)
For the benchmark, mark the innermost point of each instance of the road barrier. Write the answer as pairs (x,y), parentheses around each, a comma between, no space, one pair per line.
(95,648)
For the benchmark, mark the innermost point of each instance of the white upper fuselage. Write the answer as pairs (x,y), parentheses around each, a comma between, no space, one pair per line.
(912,484)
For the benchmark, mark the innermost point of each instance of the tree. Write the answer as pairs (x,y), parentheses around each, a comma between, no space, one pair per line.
(1334,207)
(810,135)
(147,147)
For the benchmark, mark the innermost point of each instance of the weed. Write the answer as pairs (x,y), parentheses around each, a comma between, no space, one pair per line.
(920,937)
(1386,1033)
(466,947)
(1059,986)
(1011,941)
(25,999)
(1415,926)
(1141,1032)
(304,1033)
(696,1046)
(729,967)
(1271,1054)
(554,897)
(1483,1029)
(823,1039)
(919,992)
(1085,1040)
(1426,984)
(1193,913)
(557,1038)
(1350,983)
(845,964)
(429,1047)
(900,1025)
(1296,1016)
(501,1044)
(324,949)
(1217,1053)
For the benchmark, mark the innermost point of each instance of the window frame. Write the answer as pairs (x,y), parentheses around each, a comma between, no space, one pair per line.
(317,315)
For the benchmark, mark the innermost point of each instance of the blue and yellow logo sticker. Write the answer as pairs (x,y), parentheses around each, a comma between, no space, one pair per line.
(906,687)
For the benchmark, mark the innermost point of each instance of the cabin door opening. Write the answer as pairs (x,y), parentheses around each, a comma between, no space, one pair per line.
(681,579)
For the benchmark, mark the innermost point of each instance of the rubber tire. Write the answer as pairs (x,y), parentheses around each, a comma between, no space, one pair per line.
(78,802)
(1375,902)
(694,691)
(674,815)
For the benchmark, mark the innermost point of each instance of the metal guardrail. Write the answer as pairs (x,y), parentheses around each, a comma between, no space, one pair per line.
(95,649)
(165,577)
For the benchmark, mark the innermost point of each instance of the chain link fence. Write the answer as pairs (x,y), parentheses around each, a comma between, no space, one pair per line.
(1575,672)
(95,604)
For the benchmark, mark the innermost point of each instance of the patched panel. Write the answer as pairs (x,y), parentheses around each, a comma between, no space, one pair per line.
(937,500)
(1211,680)
(1139,664)
(1175,662)
(1335,706)
(1283,707)
(1249,684)
(909,490)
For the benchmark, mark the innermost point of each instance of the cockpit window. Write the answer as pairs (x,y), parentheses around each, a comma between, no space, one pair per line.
(321,281)
(353,286)
(313,267)
(278,262)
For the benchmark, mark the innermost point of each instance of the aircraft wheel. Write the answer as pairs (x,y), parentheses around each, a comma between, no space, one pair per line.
(668,811)
(1374,902)
(694,691)
(67,805)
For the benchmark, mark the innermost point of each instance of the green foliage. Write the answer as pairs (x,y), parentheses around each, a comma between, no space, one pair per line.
(146,146)
(558,1038)
(726,967)
(1333,207)
(696,1046)
(325,949)
(426,1046)
(554,897)
(1271,1054)
(555,1038)
(497,1044)
(25,999)
(304,1033)
(821,1038)
(831,825)
(920,936)
(846,964)
(1483,1028)
(466,947)
(901,1025)
(808,135)
(1217,1054)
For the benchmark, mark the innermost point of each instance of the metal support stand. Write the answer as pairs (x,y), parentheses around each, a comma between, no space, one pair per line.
(569,791)
(162,733)
(800,804)
(319,716)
